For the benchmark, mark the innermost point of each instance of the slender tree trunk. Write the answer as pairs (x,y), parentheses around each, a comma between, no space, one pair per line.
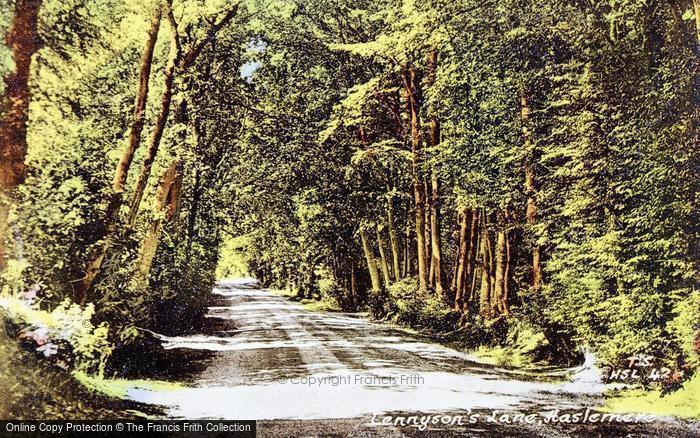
(394,241)
(696,9)
(499,303)
(485,291)
(506,294)
(411,83)
(382,257)
(97,254)
(166,208)
(127,157)
(491,271)
(404,259)
(435,237)
(475,265)
(455,265)
(371,261)
(176,62)
(531,190)
(474,254)
(471,246)
(353,285)
(428,246)
(161,121)
(404,254)
(22,39)
(458,284)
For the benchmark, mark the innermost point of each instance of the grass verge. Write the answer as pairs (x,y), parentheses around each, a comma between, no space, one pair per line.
(322,305)
(683,403)
(119,388)
(503,357)
(33,389)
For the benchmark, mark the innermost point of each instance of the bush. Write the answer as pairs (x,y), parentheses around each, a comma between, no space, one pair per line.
(377,301)
(66,334)
(403,304)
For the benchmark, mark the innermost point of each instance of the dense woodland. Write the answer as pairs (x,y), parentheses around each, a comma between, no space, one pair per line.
(504,170)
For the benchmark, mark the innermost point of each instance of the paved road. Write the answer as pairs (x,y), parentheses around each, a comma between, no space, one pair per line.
(310,373)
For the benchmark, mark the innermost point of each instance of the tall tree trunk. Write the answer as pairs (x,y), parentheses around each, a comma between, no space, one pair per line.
(471,247)
(371,261)
(506,294)
(485,291)
(176,62)
(393,240)
(435,240)
(491,271)
(411,83)
(353,285)
(696,9)
(167,200)
(97,254)
(382,257)
(473,256)
(428,200)
(406,270)
(23,40)
(465,282)
(455,265)
(458,282)
(127,157)
(499,304)
(161,121)
(386,271)
(531,190)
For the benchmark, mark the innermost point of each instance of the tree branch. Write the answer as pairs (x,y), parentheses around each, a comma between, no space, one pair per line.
(194,52)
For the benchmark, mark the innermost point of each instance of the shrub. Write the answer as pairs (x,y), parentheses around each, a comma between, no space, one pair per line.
(403,304)
(65,334)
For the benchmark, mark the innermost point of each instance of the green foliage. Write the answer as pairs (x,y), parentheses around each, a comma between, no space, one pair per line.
(684,403)
(232,263)
(609,88)
(47,392)
(402,304)
(315,147)
(88,346)
(83,84)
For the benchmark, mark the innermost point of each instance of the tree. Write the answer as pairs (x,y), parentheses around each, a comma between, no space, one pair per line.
(167,203)
(23,39)
(109,227)
(120,175)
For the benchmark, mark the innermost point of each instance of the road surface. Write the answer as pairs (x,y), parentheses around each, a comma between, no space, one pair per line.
(305,373)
